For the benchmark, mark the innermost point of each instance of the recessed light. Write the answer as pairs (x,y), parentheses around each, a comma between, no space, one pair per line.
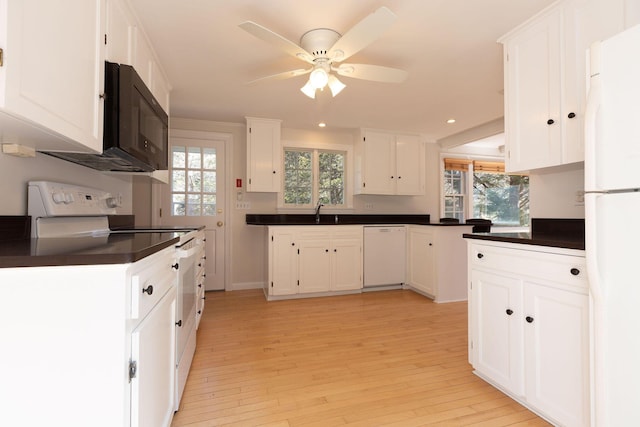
(322,124)
(451,121)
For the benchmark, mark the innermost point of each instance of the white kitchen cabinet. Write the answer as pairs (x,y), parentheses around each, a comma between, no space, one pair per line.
(437,261)
(546,78)
(89,336)
(127,43)
(153,365)
(282,261)
(389,163)
(52,75)
(529,326)
(314,259)
(264,155)
(200,280)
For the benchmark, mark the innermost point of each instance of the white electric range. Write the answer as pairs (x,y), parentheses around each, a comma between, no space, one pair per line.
(60,210)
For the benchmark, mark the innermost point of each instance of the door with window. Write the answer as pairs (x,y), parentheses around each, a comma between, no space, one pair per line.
(196,194)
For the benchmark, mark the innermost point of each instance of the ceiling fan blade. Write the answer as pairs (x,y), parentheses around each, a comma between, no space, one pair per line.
(276,40)
(282,76)
(376,73)
(362,34)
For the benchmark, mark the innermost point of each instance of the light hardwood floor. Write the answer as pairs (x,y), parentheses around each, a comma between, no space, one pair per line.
(390,358)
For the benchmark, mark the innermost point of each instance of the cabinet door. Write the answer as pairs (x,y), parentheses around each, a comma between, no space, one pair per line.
(379,176)
(557,353)
(422,261)
(314,263)
(263,155)
(532,93)
(497,329)
(54,68)
(153,350)
(346,264)
(410,162)
(283,263)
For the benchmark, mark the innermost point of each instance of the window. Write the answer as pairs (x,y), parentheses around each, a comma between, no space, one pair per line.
(193,181)
(502,198)
(312,175)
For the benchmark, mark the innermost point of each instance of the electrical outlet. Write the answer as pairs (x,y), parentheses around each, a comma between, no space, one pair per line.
(368,205)
(579,198)
(243,205)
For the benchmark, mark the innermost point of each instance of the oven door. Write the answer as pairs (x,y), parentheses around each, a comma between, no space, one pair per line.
(186,301)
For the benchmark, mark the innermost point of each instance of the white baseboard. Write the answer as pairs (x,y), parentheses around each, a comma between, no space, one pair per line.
(246,285)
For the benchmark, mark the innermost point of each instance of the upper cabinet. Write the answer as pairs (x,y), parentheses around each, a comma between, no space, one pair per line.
(546,79)
(264,155)
(389,163)
(128,44)
(52,74)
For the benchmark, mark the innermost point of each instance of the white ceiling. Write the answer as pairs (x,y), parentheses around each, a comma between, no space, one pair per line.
(448,47)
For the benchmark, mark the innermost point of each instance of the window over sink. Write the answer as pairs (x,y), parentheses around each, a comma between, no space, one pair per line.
(314,175)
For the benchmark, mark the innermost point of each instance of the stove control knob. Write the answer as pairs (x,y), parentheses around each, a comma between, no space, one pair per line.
(58,198)
(68,198)
(112,202)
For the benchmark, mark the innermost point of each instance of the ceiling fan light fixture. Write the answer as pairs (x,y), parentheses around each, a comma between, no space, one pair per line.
(319,78)
(335,85)
(309,90)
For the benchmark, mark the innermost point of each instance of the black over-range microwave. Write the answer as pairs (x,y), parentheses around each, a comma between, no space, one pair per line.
(135,126)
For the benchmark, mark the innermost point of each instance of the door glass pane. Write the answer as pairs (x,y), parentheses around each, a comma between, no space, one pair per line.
(193,181)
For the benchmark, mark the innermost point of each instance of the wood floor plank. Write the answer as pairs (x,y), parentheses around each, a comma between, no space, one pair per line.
(377,358)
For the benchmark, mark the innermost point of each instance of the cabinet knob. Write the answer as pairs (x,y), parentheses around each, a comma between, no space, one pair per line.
(175,266)
(480,255)
(326,250)
(179,323)
(399,177)
(529,319)
(550,122)
(199,311)
(571,115)
(509,312)
(293,244)
(199,285)
(391,176)
(335,250)
(274,172)
(430,244)
(148,290)
(575,271)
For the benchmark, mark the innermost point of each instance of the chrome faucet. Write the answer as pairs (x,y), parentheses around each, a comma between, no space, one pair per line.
(318,206)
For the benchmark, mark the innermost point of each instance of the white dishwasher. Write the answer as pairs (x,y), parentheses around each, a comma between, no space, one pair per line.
(384,256)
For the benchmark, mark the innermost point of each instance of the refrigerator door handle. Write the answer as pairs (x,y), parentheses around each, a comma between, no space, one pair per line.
(592,109)
(591,246)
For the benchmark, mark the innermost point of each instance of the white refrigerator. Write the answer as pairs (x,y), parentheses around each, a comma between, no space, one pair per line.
(612,220)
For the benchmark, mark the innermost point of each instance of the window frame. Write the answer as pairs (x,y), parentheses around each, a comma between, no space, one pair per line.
(315,148)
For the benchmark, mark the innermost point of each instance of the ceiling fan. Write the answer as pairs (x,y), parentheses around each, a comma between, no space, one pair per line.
(325,49)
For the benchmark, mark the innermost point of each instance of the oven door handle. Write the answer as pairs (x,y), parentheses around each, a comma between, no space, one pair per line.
(186,253)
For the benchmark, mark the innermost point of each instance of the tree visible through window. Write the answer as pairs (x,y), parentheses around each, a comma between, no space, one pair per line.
(193,181)
(312,175)
(502,198)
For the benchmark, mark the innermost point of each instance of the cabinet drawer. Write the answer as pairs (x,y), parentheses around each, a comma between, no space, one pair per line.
(149,284)
(566,269)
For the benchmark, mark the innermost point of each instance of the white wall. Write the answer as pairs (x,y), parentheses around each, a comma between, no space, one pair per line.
(552,192)
(16,172)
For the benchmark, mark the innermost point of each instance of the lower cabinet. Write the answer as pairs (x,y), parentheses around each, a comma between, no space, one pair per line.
(314,259)
(437,261)
(97,347)
(529,327)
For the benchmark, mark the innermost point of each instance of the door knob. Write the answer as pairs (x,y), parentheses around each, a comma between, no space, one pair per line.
(220,223)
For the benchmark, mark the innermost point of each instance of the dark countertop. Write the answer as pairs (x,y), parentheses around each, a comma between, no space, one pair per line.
(343,219)
(557,233)
(18,249)
(109,249)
